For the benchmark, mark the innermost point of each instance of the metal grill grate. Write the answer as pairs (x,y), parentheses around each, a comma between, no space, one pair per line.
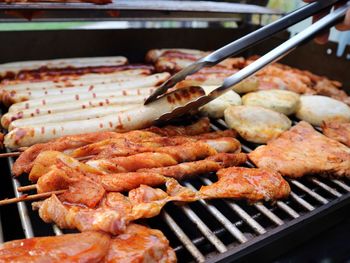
(205,229)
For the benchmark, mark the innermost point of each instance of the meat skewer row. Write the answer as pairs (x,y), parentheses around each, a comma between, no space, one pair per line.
(54,178)
(137,244)
(129,72)
(139,118)
(67,143)
(14,68)
(115,211)
(42,97)
(151,158)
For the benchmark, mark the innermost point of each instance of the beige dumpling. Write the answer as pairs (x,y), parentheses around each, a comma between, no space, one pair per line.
(256,124)
(315,109)
(283,101)
(216,108)
(248,85)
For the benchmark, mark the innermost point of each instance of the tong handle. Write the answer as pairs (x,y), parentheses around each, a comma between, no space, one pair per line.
(281,50)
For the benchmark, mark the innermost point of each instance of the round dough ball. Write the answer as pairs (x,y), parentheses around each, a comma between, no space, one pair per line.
(216,108)
(283,101)
(256,124)
(315,109)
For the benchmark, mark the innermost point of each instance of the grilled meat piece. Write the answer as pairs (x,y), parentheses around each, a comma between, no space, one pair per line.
(337,130)
(24,163)
(253,184)
(82,247)
(191,169)
(140,244)
(302,151)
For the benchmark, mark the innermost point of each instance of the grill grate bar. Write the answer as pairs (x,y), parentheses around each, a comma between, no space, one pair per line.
(1,232)
(22,209)
(269,214)
(221,218)
(57,230)
(243,214)
(198,256)
(286,208)
(341,184)
(204,229)
(326,187)
(315,195)
(302,201)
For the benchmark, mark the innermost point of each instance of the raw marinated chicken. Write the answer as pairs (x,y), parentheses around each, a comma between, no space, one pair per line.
(302,151)
(337,130)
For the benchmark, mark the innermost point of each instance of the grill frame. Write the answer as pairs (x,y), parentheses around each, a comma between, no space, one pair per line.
(251,247)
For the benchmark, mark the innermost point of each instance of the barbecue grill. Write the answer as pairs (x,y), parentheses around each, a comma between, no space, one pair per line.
(212,231)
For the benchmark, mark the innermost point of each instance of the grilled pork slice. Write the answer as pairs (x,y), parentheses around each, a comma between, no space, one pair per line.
(247,183)
(82,247)
(24,163)
(140,244)
(302,151)
(337,130)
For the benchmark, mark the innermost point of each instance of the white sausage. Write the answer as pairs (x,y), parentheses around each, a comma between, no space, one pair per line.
(77,98)
(70,106)
(73,81)
(138,118)
(15,67)
(50,96)
(83,114)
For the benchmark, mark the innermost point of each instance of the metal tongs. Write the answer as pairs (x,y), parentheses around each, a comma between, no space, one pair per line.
(247,41)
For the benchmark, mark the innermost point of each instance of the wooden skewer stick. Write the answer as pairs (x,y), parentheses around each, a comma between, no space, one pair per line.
(26,188)
(30,197)
(10,154)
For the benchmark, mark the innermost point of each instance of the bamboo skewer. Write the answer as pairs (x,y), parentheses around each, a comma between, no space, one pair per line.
(30,197)
(10,154)
(26,188)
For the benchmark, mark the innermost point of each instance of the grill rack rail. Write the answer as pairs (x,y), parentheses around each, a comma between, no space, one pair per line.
(244,224)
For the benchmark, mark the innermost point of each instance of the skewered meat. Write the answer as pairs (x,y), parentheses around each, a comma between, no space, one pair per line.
(247,183)
(337,130)
(163,156)
(122,147)
(140,244)
(302,151)
(116,211)
(190,169)
(82,247)
(78,180)
(24,163)
(202,126)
